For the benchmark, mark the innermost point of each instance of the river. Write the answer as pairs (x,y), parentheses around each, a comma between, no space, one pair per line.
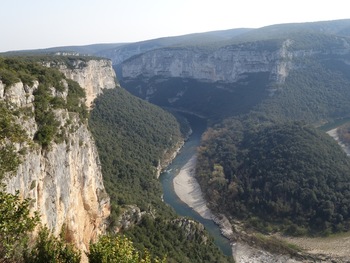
(187,152)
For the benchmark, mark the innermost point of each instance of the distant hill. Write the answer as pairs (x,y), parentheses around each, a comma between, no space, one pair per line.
(118,52)
(83,50)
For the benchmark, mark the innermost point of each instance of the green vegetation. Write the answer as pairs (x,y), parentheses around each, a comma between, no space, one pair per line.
(315,93)
(15,225)
(166,237)
(52,59)
(284,175)
(48,248)
(289,174)
(212,100)
(17,243)
(118,249)
(10,133)
(263,161)
(131,136)
(344,133)
(48,95)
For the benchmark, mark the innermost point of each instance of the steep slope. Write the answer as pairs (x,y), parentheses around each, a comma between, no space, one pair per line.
(59,166)
(287,173)
(94,75)
(135,139)
(233,77)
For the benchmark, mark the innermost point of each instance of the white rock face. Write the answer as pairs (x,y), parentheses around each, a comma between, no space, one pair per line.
(64,181)
(226,64)
(93,76)
(66,186)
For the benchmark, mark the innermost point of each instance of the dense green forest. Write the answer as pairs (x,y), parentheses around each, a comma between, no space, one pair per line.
(132,136)
(289,174)
(316,92)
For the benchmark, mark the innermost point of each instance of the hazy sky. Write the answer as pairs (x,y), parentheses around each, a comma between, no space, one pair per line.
(33,24)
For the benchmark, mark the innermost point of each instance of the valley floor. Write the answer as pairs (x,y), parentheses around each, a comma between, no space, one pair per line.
(329,249)
(188,190)
(334,247)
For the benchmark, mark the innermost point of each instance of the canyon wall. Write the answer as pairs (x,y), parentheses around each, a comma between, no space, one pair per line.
(63,180)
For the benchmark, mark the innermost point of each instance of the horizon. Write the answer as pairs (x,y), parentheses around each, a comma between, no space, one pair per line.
(40,25)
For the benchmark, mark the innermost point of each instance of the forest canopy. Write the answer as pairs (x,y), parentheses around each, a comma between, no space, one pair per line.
(285,173)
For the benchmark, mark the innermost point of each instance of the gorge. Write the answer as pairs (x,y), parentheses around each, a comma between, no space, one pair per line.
(263,158)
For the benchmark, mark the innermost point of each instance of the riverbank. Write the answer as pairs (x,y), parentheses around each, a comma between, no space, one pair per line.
(333,133)
(188,190)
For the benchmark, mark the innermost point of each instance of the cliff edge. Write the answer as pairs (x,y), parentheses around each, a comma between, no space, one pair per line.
(64,179)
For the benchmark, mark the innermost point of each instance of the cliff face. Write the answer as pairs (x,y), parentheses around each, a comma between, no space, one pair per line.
(64,180)
(225,64)
(92,75)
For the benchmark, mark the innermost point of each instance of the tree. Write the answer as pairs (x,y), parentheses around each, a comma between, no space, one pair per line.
(117,249)
(10,133)
(15,225)
(48,248)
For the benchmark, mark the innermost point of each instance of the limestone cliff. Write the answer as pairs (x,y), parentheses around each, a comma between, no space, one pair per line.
(63,180)
(225,64)
(93,75)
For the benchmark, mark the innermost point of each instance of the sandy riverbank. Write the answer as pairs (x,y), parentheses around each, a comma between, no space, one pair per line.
(333,133)
(188,190)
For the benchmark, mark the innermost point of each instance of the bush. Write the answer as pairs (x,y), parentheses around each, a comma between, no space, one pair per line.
(117,249)
(15,225)
(48,248)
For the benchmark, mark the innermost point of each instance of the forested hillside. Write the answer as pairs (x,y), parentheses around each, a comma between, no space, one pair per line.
(317,92)
(288,174)
(132,137)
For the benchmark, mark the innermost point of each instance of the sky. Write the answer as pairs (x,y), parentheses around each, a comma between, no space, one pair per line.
(35,24)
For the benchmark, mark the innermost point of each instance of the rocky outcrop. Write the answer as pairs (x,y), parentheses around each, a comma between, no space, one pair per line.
(92,75)
(192,229)
(63,180)
(65,185)
(130,217)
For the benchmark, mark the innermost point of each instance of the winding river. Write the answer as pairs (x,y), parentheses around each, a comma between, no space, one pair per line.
(170,197)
